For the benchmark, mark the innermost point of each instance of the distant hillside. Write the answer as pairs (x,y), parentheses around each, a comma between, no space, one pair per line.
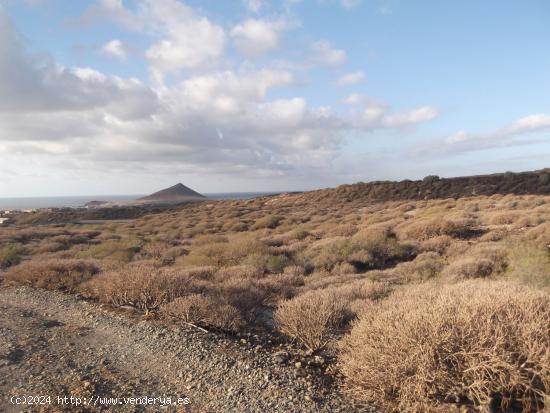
(433,187)
(178,192)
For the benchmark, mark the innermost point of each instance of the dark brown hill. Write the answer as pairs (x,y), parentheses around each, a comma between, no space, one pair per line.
(178,192)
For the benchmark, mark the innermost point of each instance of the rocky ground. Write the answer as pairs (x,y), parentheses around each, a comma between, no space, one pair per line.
(55,345)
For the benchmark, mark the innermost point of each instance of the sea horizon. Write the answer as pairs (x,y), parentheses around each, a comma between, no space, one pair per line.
(76,201)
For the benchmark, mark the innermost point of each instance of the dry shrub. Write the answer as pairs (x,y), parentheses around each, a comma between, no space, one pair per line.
(142,286)
(469,268)
(363,252)
(436,227)
(482,261)
(504,218)
(425,266)
(52,274)
(245,294)
(432,348)
(310,318)
(269,221)
(209,239)
(224,254)
(267,262)
(529,263)
(203,311)
(344,230)
(436,244)
(238,271)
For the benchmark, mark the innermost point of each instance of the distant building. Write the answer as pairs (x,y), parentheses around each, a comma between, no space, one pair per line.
(28,211)
(4,220)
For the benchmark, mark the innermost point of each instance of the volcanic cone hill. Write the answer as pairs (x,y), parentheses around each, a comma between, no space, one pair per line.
(176,193)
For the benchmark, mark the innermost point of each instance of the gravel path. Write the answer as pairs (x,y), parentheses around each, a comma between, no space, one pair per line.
(52,344)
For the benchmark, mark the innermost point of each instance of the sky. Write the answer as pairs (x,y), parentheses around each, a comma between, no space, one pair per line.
(130,96)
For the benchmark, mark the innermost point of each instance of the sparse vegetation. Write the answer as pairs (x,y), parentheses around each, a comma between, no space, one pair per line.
(408,287)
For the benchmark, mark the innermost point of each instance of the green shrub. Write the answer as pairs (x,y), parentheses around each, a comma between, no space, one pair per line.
(544,179)
(430,179)
(10,255)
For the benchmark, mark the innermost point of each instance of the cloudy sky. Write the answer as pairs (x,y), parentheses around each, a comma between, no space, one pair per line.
(128,96)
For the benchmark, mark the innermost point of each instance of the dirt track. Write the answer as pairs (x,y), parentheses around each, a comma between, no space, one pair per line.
(53,345)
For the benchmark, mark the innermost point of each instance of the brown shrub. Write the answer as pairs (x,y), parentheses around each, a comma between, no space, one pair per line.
(436,244)
(203,311)
(269,221)
(436,227)
(482,261)
(345,230)
(52,274)
(504,218)
(474,343)
(310,318)
(363,252)
(143,286)
(425,266)
(224,253)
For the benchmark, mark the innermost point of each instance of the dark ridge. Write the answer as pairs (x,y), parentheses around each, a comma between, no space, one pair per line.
(433,187)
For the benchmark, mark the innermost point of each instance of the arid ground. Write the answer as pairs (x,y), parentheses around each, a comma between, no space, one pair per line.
(323,301)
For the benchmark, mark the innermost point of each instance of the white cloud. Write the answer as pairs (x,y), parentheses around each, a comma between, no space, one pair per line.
(376,114)
(253,5)
(186,39)
(215,121)
(325,54)
(189,40)
(421,114)
(353,99)
(116,48)
(349,4)
(350,78)
(254,37)
(512,134)
(530,123)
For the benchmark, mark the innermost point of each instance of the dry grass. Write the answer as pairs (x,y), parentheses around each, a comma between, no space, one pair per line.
(474,343)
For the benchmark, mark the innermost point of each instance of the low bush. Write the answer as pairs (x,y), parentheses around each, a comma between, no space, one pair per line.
(426,229)
(310,318)
(224,254)
(269,221)
(10,254)
(143,286)
(52,274)
(424,267)
(483,261)
(203,311)
(477,343)
(363,252)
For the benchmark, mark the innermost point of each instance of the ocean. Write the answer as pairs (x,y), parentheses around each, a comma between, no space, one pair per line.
(78,201)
